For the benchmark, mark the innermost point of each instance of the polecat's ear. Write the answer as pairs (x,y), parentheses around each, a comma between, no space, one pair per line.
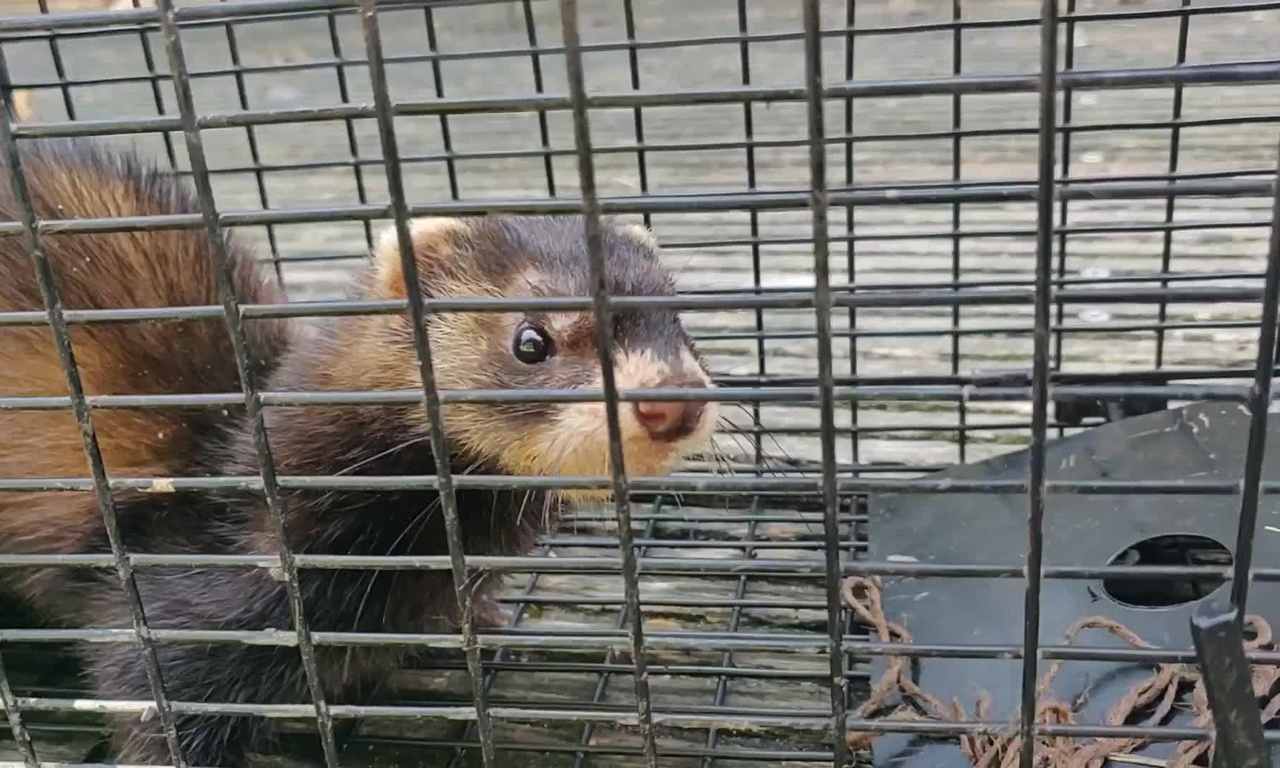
(433,242)
(641,235)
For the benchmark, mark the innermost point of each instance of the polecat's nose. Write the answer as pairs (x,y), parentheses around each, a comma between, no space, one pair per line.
(670,420)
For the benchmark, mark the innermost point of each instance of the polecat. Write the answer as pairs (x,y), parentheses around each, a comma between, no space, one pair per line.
(486,256)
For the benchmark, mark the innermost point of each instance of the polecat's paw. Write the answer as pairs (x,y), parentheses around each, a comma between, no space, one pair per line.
(145,747)
(489,615)
(220,742)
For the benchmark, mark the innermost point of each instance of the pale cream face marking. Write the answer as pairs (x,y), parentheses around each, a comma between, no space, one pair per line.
(576,440)
(589,453)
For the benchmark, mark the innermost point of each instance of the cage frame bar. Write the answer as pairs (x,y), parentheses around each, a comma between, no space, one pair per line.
(1259,398)
(1068,107)
(867,195)
(251,138)
(819,203)
(850,221)
(535,65)
(353,143)
(253,407)
(602,679)
(592,213)
(735,620)
(957,68)
(13,713)
(637,115)
(1238,72)
(37,26)
(852,390)
(437,79)
(99,482)
(539,87)
(1036,479)
(426,370)
(1175,155)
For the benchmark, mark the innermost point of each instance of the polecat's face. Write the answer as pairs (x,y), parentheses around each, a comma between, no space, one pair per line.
(540,257)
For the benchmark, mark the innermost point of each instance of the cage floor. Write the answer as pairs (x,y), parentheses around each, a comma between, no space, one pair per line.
(730,652)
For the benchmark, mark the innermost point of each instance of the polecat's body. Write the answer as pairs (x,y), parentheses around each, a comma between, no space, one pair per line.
(491,256)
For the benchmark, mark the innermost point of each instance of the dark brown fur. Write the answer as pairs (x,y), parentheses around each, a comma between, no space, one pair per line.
(103,271)
(493,256)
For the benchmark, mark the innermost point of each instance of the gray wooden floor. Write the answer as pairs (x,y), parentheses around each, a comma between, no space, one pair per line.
(1233,130)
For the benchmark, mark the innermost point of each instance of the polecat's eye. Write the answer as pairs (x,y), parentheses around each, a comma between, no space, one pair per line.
(532,344)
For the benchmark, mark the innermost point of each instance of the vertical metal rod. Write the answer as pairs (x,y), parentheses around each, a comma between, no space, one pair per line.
(544,133)
(1039,374)
(59,67)
(1257,402)
(1068,103)
(757,270)
(735,624)
(255,156)
(253,406)
(603,323)
(20,734)
(499,656)
(611,656)
(353,144)
(157,94)
(84,421)
(633,62)
(426,370)
(1217,632)
(826,376)
(535,61)
(6,92)
(10,702)
(437,79)
(957,67)
(851,248)
(1175,142)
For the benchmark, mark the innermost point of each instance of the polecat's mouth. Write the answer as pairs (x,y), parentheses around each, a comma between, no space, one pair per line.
(644,456)
(657,436)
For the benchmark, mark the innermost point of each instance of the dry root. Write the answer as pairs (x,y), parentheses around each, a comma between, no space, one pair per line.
(1148,703)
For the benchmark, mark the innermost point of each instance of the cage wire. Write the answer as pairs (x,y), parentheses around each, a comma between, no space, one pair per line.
(908,234)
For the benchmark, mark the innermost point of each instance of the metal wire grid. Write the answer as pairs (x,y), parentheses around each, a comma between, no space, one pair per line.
(831,481)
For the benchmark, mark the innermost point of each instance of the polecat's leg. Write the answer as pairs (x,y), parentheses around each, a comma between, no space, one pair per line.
(215,673)
(198,673)
(489,615)
(206,741)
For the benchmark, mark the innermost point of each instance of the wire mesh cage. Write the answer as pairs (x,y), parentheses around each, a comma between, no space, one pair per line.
(908,236)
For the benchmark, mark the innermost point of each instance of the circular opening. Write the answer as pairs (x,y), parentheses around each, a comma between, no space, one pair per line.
(1171,549)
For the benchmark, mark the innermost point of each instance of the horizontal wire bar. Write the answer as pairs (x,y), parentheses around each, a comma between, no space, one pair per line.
(1266,71)
(790,299)
(750,721)
(710,146)
(650,565)
(777,394)
(600,640)
(768,756)
(131,21)
(771,757)
(722,145)
(925,193)
(932,234)
(641,484)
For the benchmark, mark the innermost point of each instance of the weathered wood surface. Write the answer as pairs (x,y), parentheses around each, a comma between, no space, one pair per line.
(319,257)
